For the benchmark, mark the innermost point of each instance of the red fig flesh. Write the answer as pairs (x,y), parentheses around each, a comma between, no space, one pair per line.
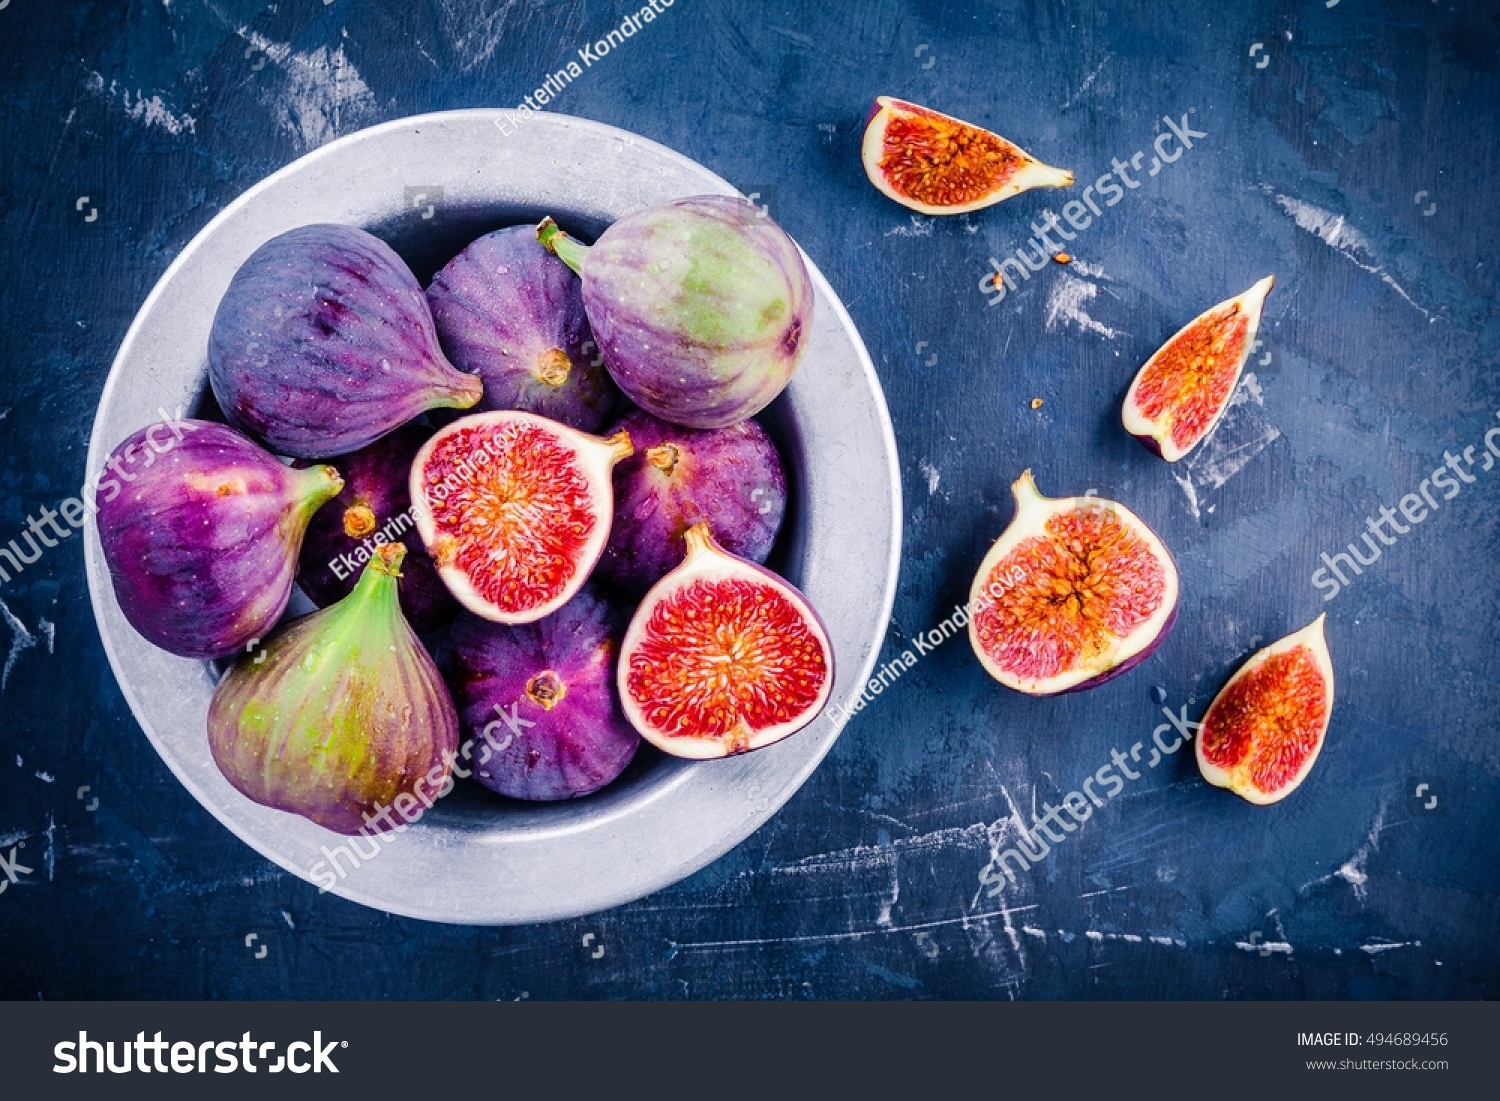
(1076,591)
(1183,390)
(515,510)
(936,164)
(722,657)
(1266,726)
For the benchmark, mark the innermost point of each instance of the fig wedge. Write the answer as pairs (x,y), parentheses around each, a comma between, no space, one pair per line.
(1183,390)
(1265,728)
(936,164)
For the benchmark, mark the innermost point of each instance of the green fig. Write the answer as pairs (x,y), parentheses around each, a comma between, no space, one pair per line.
(341,717)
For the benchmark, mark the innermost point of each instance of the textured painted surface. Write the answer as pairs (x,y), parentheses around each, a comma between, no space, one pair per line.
(1352,154)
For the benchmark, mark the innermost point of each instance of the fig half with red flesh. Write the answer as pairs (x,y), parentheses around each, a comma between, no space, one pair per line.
(936,164)
(1266,726)
(515,510)
(722,657)
(1076,591)
(1183,390)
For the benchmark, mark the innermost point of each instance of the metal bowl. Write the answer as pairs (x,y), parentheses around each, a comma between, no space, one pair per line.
(428,185)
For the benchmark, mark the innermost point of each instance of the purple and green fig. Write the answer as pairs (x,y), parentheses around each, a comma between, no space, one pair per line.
(540,711)
(342,717)
(701,307)
(373,509)
(324,342)
(730,478)
(511,312)
(202,542)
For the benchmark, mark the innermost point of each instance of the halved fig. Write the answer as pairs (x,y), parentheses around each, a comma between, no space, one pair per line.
(936,164)
(722,657)
(515,510)
(1266,726)
(1076,591)
(1183,390)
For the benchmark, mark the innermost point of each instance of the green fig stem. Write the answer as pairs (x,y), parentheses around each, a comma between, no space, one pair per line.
(387,560)
(464,393)
(565,248)
(319,485)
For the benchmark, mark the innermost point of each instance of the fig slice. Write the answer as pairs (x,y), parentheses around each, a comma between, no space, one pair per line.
(936,164)
(722,657)
(1074,592)
(515,509)
(1182,391)
(1266,726)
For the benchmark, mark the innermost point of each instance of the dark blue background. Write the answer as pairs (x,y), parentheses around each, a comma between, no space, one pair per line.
(1381,351)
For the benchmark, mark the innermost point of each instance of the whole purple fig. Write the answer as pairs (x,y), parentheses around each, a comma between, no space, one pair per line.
(510,312)
(202,541)
(702,306)
(323,343)
(342,717)
(373,509)
(730,478)
(538,703)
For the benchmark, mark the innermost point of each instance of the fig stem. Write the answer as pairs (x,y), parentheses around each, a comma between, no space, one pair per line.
(620,445)
(546,690)
(553,367)
(321,485)
(359,521)
(699,538)
(565,248)
(664,457)
(464,393)
(388,559)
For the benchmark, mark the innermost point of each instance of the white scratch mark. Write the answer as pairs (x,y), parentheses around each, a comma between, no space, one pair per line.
(920,227)
(1065,304)
(1088,82)
(477,36)
(323,95)
(888,902)
(930,472)
(1248,390)
(9,839)
(45,777)
(1339,235)
(21,640)
(289,922)
(1352,871)
(1373,949)
(1083,267)
(1033,931)
(1262,946)
(147,112)
(50,856)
